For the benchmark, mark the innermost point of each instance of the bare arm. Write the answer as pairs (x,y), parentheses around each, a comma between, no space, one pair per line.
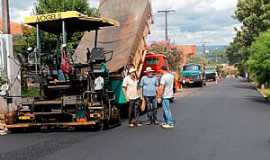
(125,91)
(162,86)
(161,90)
(125,84)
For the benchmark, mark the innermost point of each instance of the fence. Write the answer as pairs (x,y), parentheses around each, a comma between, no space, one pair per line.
(2,69)
(10,70)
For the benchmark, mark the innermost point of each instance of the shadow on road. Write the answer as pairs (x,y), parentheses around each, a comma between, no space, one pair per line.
(245,86)
(257,99)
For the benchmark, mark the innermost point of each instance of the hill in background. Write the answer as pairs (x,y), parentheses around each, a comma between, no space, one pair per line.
(212,48)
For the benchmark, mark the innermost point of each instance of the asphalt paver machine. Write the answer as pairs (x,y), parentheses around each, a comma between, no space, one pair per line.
(81,96)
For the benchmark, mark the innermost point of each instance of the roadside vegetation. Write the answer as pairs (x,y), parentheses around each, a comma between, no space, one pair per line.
(265,92)
(50,42)
(171,51)
(250,47)
(258,62)
(3,79)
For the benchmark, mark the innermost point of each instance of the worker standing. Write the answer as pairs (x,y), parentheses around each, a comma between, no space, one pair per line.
(149,84)
(130,85)
(217,77)
(166,88)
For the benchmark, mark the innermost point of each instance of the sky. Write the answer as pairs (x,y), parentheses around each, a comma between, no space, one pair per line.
(193,22)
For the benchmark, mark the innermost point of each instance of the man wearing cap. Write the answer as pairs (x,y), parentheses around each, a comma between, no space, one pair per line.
(149,84)
(130,85)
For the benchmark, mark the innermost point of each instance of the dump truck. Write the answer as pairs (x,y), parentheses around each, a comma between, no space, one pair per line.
(155,61)
(128,41)
(193,74)
(210,73)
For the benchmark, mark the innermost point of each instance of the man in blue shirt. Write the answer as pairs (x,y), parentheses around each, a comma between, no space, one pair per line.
(149,84)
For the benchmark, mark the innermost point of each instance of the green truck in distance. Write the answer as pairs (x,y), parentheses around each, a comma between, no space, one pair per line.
(210,73)
(192,74)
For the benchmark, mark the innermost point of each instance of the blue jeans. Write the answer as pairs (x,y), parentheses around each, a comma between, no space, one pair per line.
(151,103)
(133,111)
(167,114)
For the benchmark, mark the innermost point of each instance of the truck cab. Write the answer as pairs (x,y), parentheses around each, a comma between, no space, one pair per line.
(155,61)
(192,74)
(210,73)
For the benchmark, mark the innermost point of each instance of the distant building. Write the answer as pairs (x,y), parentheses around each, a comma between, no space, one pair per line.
(16,28)
(188,51)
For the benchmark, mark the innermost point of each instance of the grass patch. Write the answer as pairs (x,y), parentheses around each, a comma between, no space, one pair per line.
(31,92)
(265,92)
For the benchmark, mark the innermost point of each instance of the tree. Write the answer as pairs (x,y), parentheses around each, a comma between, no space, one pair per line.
(22,42)
(170,51)
(234,54)
(49,6)
(217,56)
(3,79)
(255,18)
(51,42)
(198,59)
(259,60)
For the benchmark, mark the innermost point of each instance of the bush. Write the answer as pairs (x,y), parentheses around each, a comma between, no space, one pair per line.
(259,60)
(3,79)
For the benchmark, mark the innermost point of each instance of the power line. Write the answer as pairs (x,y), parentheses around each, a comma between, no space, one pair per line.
(166,12)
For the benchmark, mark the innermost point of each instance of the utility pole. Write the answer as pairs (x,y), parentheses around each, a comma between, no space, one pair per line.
(166,22)
(6,31)
(5,15)
(204,48)
(11,65)
(216,55)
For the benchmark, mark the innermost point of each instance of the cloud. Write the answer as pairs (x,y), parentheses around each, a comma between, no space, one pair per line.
(224,4)
(19,8)
(194,20)
(94,3)
(198,5)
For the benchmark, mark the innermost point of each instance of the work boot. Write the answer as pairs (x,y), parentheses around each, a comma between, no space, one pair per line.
(156,122)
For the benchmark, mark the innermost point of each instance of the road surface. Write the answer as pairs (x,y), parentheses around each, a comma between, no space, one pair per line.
(219,122)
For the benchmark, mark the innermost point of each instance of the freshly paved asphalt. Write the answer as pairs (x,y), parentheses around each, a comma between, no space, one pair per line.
(229,121)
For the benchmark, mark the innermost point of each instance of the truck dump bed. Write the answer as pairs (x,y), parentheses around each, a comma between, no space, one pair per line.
(128,42)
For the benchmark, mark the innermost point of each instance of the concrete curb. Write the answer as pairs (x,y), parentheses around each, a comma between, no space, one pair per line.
(3,129)
(264,96)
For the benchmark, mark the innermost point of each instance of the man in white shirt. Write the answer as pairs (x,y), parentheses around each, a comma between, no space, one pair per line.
(166,87)
(130,85)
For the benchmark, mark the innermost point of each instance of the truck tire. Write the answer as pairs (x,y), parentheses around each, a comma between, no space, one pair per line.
(201,84)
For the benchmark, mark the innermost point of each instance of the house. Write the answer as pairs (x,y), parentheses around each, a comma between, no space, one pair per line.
(16,28)
(187,52)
